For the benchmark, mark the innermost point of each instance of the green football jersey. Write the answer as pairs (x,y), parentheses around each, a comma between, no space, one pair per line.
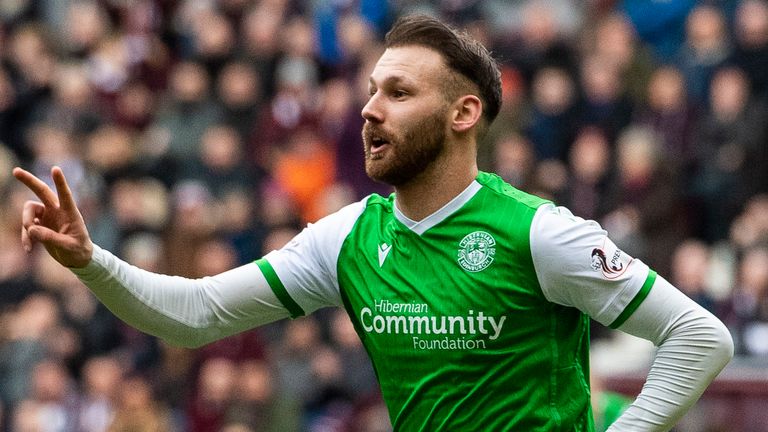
(469,326)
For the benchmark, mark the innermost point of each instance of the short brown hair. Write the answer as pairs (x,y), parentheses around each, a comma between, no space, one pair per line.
(462,54)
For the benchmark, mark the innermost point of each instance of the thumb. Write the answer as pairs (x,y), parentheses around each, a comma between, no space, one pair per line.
(45,235)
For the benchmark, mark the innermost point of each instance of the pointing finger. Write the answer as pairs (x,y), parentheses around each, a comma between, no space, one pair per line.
(66,200)
(37,186)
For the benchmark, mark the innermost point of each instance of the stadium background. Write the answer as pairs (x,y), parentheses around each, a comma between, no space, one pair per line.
(198,135)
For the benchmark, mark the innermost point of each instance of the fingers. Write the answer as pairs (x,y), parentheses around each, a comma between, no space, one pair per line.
(45,235)
(66,201)
(31,212)
(26,242)
(37,186)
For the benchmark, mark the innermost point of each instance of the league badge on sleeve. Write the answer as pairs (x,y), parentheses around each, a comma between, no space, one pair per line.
(610,260)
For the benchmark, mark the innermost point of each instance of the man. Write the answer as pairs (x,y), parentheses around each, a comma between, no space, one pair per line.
(471,297)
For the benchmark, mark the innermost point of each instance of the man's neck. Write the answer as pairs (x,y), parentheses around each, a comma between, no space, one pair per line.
(434,188)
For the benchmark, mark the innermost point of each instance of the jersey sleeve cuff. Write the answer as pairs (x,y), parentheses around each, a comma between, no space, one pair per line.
(636,301)
(94,266)
(279,289)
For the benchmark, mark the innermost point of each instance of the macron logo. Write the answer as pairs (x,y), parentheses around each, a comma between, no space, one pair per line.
(383,252)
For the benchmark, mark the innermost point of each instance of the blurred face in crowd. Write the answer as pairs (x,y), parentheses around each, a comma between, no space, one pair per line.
(666,91)
(406,117)
(690,263)
(752,23)
(590,156)
(729,93)
(86,24)
(601,79)
(189,82)
(706,28)
(615,40)
(553,90)
(238,85)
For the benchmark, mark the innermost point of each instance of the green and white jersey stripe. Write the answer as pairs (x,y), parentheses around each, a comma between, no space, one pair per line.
(475,318)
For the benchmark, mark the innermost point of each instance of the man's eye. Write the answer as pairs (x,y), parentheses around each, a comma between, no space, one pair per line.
(399,93)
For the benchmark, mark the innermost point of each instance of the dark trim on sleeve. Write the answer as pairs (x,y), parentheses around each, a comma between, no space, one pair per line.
(279,289)
(635,303)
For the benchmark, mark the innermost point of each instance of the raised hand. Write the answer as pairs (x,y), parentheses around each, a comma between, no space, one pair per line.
(55,221)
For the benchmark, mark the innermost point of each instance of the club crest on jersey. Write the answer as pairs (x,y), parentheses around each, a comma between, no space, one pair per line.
(612,263)
(476,251)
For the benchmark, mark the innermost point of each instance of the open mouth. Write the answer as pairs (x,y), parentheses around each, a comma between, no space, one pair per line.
(378,143)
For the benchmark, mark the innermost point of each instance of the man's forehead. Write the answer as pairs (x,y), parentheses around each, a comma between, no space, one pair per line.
(408,63)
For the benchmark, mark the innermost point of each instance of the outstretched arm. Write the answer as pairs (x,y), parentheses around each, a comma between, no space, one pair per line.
(188,312)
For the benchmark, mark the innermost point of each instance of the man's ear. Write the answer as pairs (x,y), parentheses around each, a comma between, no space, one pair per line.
(466,113)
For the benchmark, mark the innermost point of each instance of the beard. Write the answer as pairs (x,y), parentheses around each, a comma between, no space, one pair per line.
(410,152)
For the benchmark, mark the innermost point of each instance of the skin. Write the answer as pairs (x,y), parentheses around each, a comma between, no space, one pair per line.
(429,157)
(407,89)
(55,221)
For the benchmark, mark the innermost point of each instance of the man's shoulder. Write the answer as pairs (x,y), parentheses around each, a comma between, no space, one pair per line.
(378,202)
(505,191)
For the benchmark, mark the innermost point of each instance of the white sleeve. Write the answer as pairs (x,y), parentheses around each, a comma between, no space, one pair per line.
(186,312)
(694,346)
(297,279)
(304,273)
(577,265)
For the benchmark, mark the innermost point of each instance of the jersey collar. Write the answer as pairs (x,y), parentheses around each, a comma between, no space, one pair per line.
(420,227)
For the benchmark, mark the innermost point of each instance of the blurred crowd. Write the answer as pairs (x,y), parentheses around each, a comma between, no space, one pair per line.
(198,135)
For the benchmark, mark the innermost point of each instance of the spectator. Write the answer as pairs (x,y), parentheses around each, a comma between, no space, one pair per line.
(605,104)
(214,393)
(750,228)
(748,313)
(137,409)
(259,403)
(645,213)
(134,106)
(615,39)
(220,162)
(213,39)
(304,169)
(690,270)
(24,345)
(705,49)
(731,157)
(590,159)
(238,90)
(512,118)
(84,26)
(53,395)
(102,379)
(552,119)
(514,161)
(541,39)
(670,114)
(189,111)
(750,52)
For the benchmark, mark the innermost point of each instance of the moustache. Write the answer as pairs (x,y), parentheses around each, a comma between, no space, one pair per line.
(370,132)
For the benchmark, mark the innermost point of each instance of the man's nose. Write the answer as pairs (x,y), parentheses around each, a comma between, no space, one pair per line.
(372,111)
